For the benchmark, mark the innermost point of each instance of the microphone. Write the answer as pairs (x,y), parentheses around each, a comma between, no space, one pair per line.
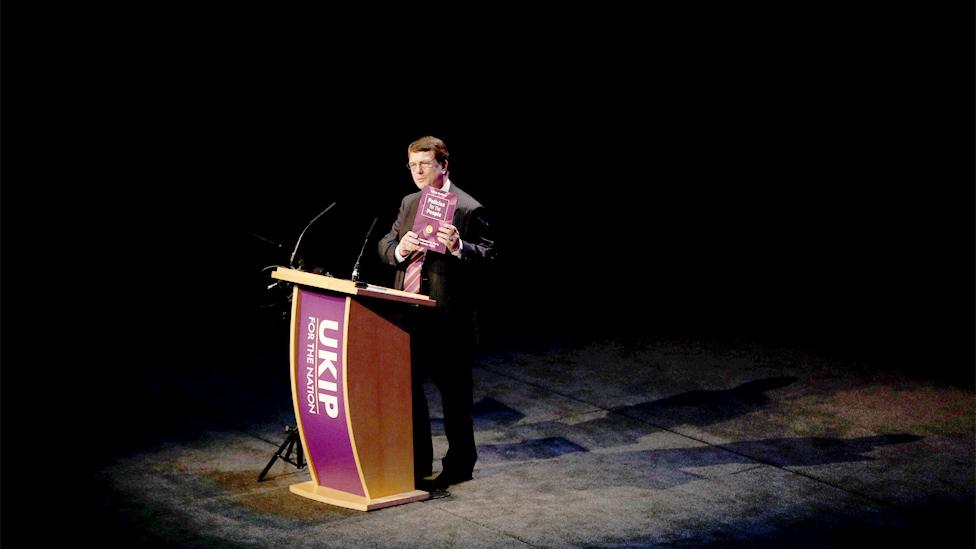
(291,262)
(268,240)
(355,270)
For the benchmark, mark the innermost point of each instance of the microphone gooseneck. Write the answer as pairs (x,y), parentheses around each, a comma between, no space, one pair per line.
(355,269)
(291,261)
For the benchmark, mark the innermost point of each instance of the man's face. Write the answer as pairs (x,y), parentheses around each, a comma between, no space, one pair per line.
(425,170)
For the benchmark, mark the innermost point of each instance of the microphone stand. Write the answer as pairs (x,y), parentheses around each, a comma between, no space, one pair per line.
(292,443)
(291,261)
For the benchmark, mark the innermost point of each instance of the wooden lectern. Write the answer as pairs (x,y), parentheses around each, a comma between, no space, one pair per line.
(350,381)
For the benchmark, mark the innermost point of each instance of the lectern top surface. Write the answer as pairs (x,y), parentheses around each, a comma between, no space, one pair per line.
(342,285)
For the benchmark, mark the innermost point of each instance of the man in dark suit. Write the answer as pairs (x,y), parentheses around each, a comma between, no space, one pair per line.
(442,337)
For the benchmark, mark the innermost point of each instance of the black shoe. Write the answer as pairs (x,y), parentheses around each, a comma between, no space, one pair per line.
(427,485)
(447,478)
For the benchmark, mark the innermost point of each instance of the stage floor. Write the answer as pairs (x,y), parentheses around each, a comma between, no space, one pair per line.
(664,442)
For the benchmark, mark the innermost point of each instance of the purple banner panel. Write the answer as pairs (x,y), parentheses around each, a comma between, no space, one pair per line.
(318,379)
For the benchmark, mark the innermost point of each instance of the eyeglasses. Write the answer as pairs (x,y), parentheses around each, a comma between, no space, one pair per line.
(426,164)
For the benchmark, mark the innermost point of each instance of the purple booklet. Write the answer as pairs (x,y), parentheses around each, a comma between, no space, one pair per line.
(436,207)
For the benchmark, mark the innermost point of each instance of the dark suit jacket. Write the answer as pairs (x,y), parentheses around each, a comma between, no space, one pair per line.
(445,278)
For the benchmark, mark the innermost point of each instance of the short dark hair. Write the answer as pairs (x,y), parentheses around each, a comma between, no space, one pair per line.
(429,143)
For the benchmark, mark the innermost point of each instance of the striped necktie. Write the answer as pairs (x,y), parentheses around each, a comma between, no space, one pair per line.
(411,280)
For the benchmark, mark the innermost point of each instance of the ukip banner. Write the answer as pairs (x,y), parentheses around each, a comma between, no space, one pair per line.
(320,392)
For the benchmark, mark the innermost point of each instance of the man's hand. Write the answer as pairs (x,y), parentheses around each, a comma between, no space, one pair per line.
(409,244)
(449,236)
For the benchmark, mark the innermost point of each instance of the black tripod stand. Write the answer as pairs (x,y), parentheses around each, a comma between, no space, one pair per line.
(291,444)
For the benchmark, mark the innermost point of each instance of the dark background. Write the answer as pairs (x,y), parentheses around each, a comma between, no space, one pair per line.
(800,178)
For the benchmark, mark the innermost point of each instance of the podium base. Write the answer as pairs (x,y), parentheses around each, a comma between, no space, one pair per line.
(341,499)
